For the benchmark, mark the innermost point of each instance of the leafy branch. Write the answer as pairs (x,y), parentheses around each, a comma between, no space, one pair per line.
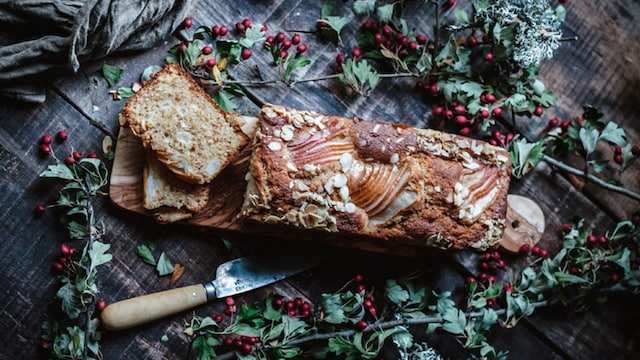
(83,180)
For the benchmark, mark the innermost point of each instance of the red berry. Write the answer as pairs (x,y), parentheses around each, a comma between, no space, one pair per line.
(538,110)
(69,160)
(277,303)
(619,159)
(486,256)
(489,57)
(507,288)
(358,278)
(490,98)
(496,255)
(361,288)
(438,110)
(574,270)
(602,239)
(413,46)
(471,280)
(182,47)
(292,313)
(448,114)
(286,44)
(284,54)
(617,149)
(567,228)
(264,28)
(215,30)
(187,22)
(372,311)
(635,150)
(535,251)
(92,155)
(501,265)
(61,135)
(484,113)
(40,209)
(434,89)
(289,305)
(280,37)
(46,139)
(554,122)
(497,111)
(483,276)
(491,279)
(302,48)
(229,301)
(340,58)
(211,63)
(367,303)
(295,39)
(361,325)
(45,149)
(421,39)
(245,53)
(544,254)
(525,248)
(228,342)
(270,40)
(491,301)
(77,155)
(378,38)
(592,239)
(247,23)
(472,41)
(207,50)
(57,266)
(356,53)
(461,120)
(460,110)
(615,278)
(387,30)
(100,305)
(484,265)
(465,131)
(298,302)
(237,343)
(217,318)
(66,250)
(240,27)
(223,30)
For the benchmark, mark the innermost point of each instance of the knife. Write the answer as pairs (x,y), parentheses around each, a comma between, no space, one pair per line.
(232,278)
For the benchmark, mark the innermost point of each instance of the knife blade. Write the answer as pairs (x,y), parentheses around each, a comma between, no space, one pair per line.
(232,277)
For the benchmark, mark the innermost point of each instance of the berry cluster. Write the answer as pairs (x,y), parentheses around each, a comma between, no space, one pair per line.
(280,45)
(384,36)
(64,263)
(243,344)
(292,308)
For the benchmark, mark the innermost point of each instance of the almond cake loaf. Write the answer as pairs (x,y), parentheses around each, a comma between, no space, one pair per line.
(186,129)
(381,180)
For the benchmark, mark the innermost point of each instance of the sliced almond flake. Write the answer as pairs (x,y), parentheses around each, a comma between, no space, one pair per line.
(274,146)
(394,158)
(339,180)
(350,207)
(107,145)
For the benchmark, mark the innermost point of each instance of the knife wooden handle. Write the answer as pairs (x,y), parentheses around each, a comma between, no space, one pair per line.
(140,310)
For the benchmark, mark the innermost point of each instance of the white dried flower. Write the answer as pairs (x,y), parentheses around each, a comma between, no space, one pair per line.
(536,27)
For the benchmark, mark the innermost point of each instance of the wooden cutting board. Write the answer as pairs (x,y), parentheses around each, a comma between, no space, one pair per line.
(227,196)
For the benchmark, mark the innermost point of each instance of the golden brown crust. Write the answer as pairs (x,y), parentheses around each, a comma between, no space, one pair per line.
(391,182)
(187,130)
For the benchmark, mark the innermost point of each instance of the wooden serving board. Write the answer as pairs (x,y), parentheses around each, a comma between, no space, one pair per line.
(227,195)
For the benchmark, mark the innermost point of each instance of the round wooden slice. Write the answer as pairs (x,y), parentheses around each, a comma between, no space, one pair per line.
(525,223)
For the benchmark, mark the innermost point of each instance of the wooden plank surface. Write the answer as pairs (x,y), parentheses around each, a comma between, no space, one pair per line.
(601,68)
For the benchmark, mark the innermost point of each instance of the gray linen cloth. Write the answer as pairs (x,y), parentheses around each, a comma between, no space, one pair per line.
(41,39)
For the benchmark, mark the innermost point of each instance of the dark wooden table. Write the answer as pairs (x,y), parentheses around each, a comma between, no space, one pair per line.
(601,68)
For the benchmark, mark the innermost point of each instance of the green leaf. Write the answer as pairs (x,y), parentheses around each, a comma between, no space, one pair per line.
(461,16)
(385,12)
(111,73)
(164,266)
(589,140)
(125,92)
(251,36)
(614,134)
(225,100)
(402,338)
(60,171)
(149,71)
(145,253)
(98,254)
(362,7)
(192,53)
(295,63)
(565,278)
(525,156)
(395,293)
(454,321)
(69,300)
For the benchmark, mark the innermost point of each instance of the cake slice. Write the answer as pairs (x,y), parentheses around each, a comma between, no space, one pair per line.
(177,120)
(163,189)
(385,181)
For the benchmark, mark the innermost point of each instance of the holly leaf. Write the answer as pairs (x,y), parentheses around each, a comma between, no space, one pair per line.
(164,266)
(111,73)
(145,253)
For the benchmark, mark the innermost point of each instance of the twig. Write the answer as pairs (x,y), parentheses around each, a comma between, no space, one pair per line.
(589,177)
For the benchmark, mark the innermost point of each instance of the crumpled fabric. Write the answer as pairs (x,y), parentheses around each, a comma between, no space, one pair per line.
(41,39)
